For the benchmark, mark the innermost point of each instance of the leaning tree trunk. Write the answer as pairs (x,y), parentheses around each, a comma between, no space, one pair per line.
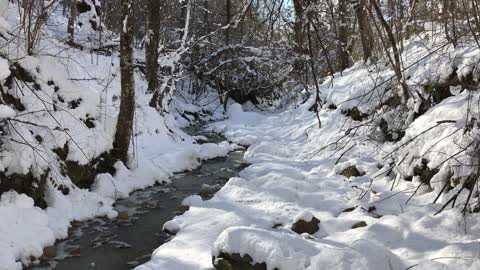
(71,23)
(127,101)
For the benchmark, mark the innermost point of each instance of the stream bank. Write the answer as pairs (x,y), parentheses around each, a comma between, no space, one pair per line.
(129,240)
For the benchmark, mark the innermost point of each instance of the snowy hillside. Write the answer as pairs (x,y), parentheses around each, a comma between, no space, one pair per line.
(122,123)
(58,112)
(374,213)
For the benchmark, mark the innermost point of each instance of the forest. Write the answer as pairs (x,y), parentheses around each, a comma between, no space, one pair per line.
(239,134)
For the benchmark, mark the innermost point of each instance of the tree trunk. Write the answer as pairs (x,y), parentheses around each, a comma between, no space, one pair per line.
(342,54)
(71,23)
(127,102)
(206,20)
(228,12)
(318,102)
(298,26)
(298,66)
(366,35)
(445,19)
(65,4)
(152,45)
(397,67)
(453,8)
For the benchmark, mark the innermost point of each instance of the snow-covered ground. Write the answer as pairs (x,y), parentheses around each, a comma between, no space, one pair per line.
(72,103)
(372,221)
(368,221)
(284,181)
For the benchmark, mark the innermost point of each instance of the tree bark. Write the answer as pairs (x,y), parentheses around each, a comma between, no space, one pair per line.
(342,54)
(152,45)
(228,12)
(366,34)
(397,67)
(445,19)
(453,8)
(71,23)
(318,102)
(206,20)
(127,101)
(298,26)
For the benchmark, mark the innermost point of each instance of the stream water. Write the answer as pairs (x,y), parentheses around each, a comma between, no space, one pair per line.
(129,241)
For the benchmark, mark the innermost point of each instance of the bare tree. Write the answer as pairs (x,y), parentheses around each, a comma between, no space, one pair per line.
(33,17)
(127,102)
(396,64)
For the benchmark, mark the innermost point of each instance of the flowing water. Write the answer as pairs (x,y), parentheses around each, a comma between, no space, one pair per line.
(129,240)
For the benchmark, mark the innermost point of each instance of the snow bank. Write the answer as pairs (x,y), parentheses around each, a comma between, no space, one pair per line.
(277,250)
(367,222)
(340,91)
(24,230)
(440,135)
(236,114)
(4,68)
(79,204)
(6,112)
(282,185)
(69,106)
(285,251)
(305,216)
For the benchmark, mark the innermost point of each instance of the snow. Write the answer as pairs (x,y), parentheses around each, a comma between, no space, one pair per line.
(236,114)
(24,230)
(77,109)
(180,158)
(288,251)
(305,216)
(6,112)
(79,205)
(192,200)
(431,145)
(4,69)
(282,186)
(294,174)
(3,7)
(4,25)
(171,226)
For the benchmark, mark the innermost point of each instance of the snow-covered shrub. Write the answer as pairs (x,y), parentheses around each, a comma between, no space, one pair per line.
(90,30)
(246,74)
(90,10)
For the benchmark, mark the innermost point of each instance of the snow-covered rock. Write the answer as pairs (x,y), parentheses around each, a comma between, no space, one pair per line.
(305,222)
(283,251)
(24,230)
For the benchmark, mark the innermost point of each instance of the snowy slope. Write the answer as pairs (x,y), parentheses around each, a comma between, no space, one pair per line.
(371,221)
(69,102)
(68,99)
(281,183)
